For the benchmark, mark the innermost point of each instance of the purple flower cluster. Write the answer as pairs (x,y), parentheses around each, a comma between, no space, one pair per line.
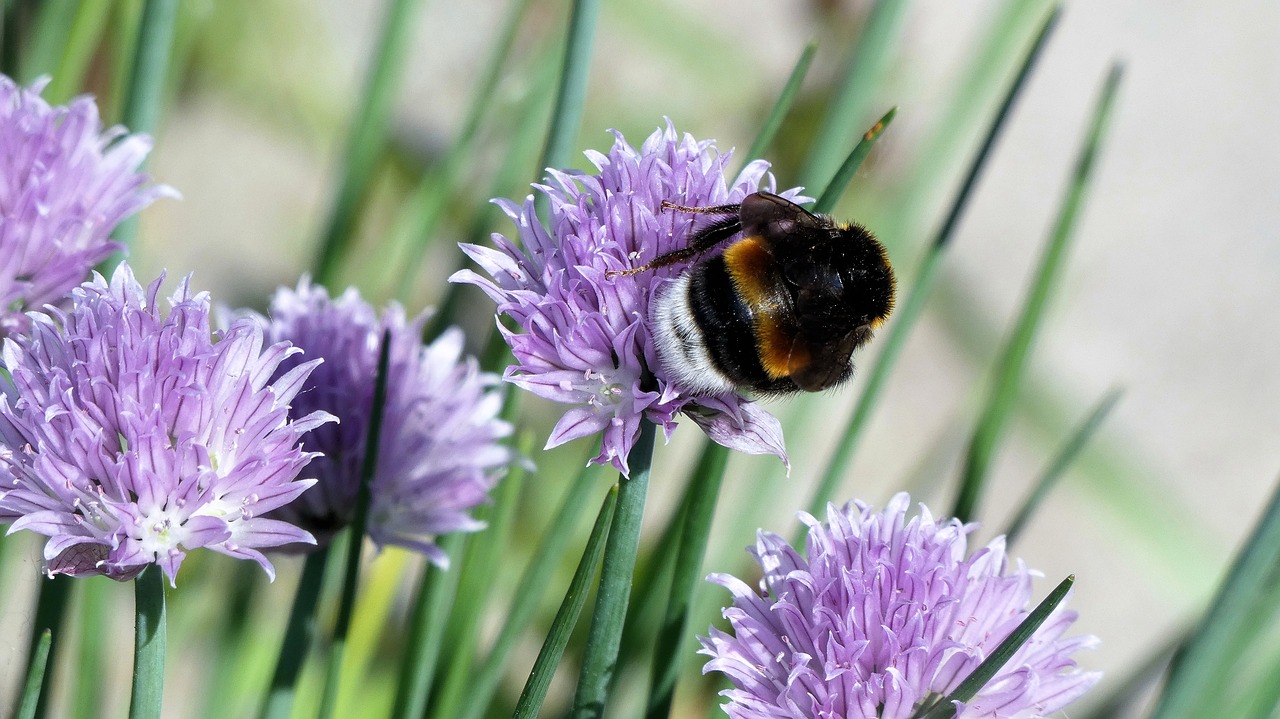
(585,338)
(129,438)
(64,186)
(883,615)
(439,451)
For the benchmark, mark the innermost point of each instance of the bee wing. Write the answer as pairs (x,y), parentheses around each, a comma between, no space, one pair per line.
(776,218)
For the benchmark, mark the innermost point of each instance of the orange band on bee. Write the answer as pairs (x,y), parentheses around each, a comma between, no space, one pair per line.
(751,267)
(780,354)
(753,271)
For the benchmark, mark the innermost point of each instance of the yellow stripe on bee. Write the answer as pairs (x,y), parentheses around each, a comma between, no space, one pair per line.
(752,270)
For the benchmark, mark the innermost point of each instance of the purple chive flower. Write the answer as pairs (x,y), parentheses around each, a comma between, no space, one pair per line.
(129,438)
(585,338)
(64,186)
(883,615)
(438,452)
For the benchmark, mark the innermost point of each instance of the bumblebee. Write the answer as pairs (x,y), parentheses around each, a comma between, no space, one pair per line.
(780,310)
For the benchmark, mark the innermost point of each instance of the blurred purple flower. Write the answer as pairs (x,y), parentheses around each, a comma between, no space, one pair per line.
(883,615)
(438,452)
(64,186)
(584,338)
(129,438)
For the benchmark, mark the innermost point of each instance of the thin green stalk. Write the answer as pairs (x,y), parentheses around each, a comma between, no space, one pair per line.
(909,311)
(533,584)
(368,134)
(699,510)
(782,106)
(148,645)
(600,657)
(223,687)
(77,50)
(860,77)
(544,667)
(1266,699)
(355,536)
(52,28)
(426,204)
(477,575)
(298,636)
(1200,673)
(32,689)
(521,152)
(1011,366)
(849,168)
(146,89)
(431,609)
(571,94)
(88,688)
(1075,443)
(1005,37)
(51,610)
(968,688)
(12,19)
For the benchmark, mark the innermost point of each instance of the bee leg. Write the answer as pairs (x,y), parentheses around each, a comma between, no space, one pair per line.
(713,210)
(705,239)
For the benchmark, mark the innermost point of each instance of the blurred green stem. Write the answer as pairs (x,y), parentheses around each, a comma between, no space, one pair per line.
(1012,363)
(908,312)
(51,611)
(533,584)
(32,691)
(146,90)
(699,510)
(359,521)
(544,667)
(368,134)
(297,637)
(865,66)
(571,94)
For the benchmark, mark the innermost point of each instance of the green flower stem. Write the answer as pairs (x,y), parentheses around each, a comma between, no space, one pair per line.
(1203,668)
(544,667)
(1061,462)
(51,609)
(53,24)
(699,509)
(860,77)
(476,581)
(909,311)
(601,653)
(146,90)
(368,134)
(533,584)
(76,50)
(782,106)
(1011,366)
(431,609)
(149,645)
(1004,39)
(10,37)
(31,691)
(297,637)
(426,206)
(355,538)
(88,688)
(972,684)
(571,95)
